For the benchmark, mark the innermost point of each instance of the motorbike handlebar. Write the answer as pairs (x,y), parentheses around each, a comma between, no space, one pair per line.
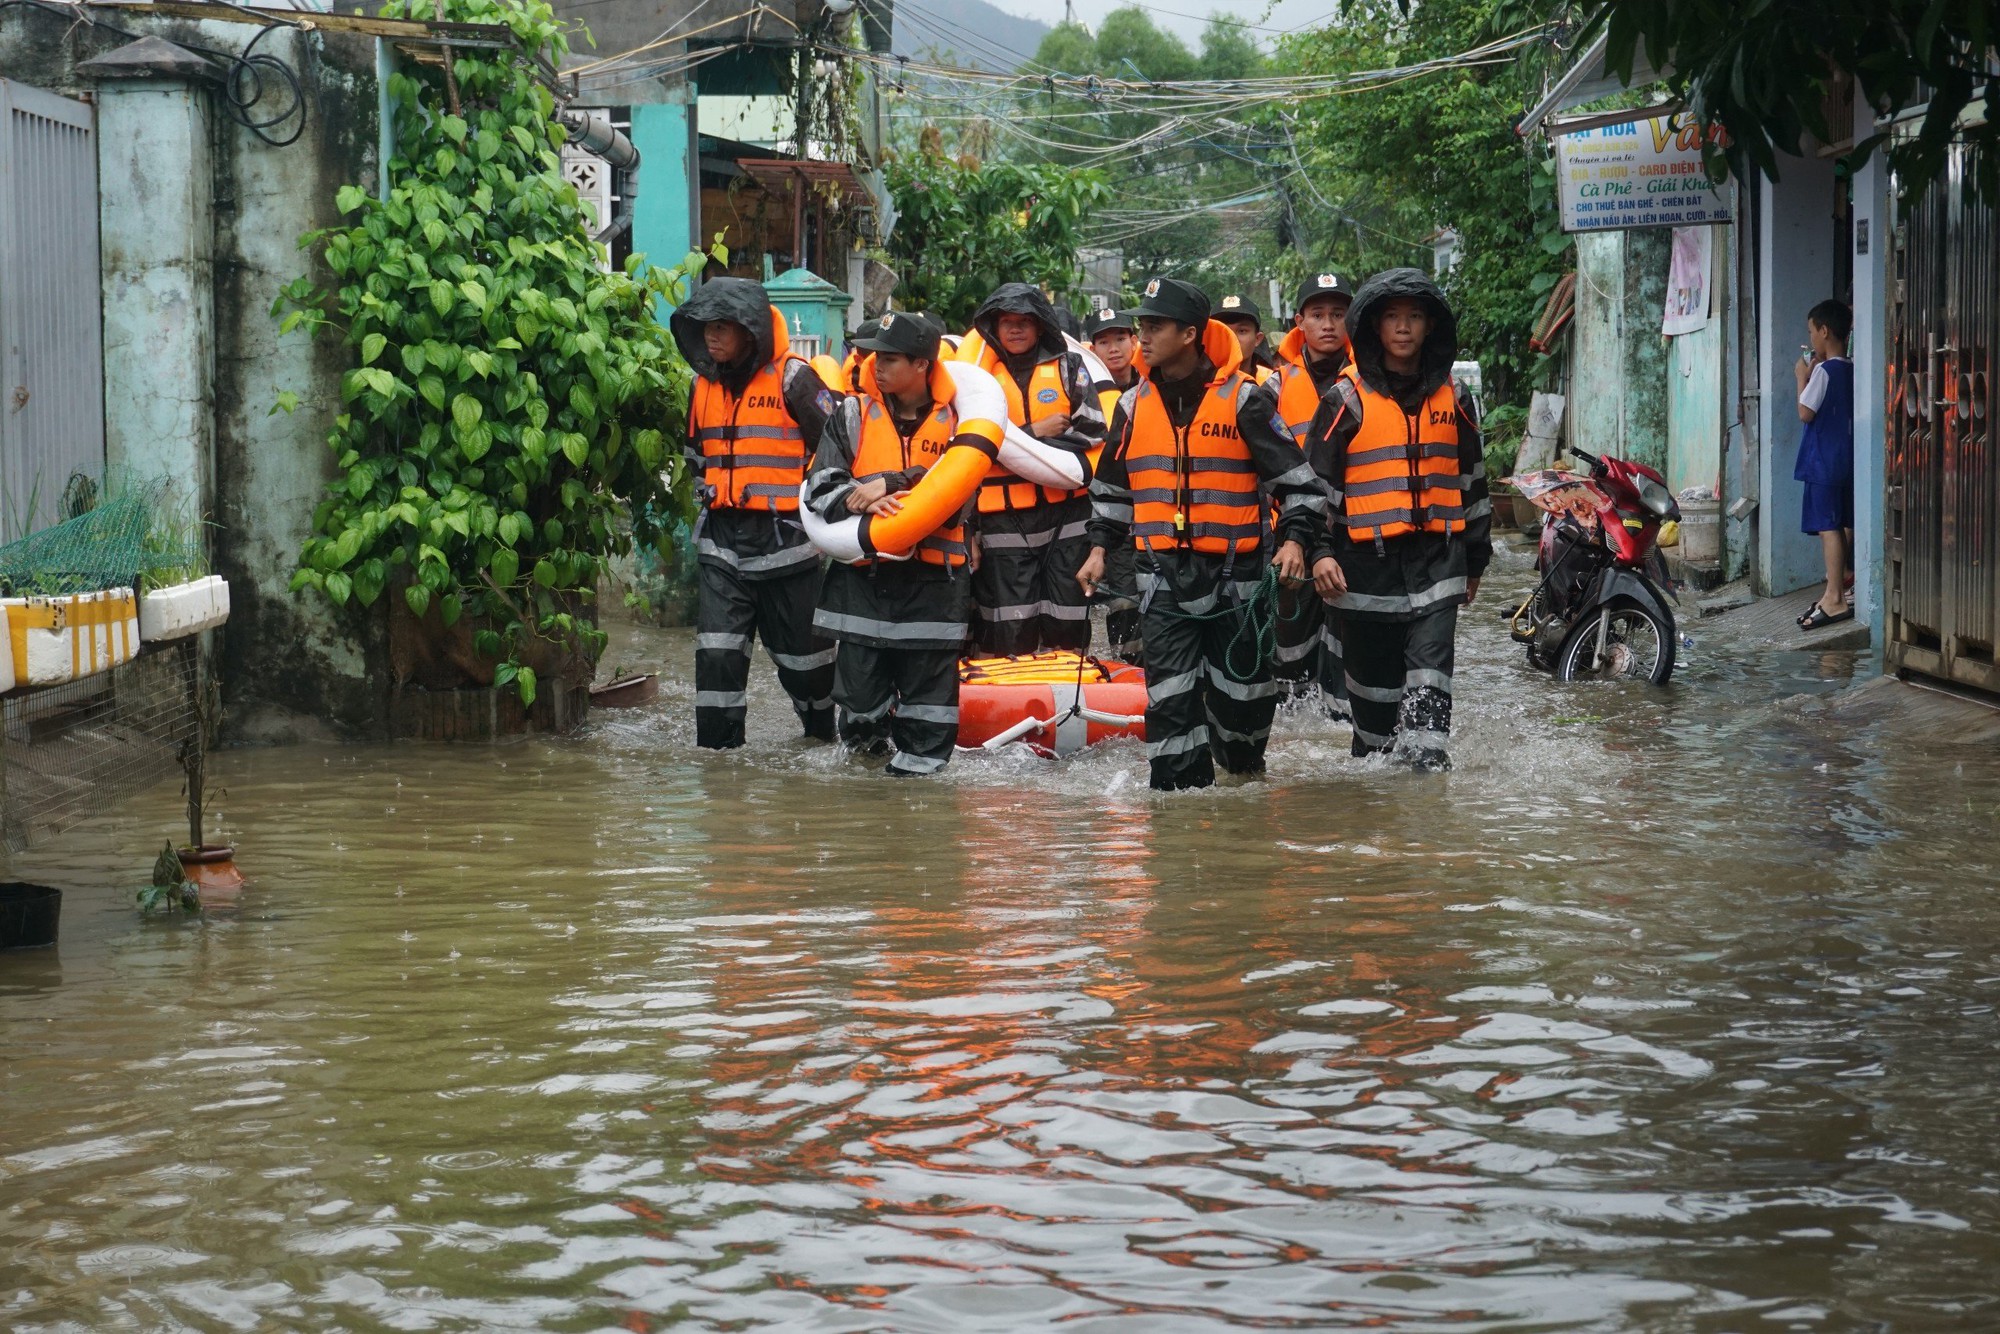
(1592,461)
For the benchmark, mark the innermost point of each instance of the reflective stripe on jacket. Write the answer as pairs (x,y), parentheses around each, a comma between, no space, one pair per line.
(753,454)
(1402,471)
(1194,489)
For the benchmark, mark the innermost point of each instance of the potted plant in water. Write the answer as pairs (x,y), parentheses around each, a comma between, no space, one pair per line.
(169,890)
(211,866)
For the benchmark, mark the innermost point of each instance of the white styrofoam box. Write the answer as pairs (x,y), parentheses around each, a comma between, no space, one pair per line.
(184,609)
(6,660)
(57,639)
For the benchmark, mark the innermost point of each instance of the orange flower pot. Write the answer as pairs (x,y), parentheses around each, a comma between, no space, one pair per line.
(212,866)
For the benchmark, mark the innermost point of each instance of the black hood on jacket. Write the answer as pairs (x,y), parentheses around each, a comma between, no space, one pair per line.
(736,299)
(1020,299)
(1440,347)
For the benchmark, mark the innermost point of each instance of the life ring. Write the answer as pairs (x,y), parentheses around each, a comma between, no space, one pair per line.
(1023,454)
(1107,399)
(950,483)
(1056,703)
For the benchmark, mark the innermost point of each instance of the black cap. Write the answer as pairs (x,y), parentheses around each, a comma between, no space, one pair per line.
(1098,321)
(1321,284)
(1236,306)
(1172,299)
(905,332)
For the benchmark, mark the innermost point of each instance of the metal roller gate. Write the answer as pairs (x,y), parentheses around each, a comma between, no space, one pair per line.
(1942,509)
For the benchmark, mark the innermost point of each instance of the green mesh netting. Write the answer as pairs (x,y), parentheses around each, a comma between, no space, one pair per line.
(133,538)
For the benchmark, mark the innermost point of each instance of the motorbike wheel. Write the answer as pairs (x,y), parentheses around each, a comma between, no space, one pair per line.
(1638,646)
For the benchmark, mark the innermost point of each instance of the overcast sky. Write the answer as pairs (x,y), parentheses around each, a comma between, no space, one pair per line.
(1186,17)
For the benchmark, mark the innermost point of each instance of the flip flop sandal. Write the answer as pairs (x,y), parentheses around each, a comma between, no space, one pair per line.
(1819,619)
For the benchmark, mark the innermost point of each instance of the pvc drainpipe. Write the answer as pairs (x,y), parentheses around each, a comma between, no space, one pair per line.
(599,137)
(385,115)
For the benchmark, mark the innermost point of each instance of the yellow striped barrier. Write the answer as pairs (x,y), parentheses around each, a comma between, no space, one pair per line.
(55,639)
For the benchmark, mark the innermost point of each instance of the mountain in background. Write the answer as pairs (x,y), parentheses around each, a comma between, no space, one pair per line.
(970,32)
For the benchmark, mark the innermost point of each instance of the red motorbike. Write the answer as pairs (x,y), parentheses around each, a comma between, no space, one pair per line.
(1600,611)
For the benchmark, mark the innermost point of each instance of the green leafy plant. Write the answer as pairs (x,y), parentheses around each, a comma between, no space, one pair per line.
(964,227)
(663,578)
(1196,205)
(507,414)
(1406,159)
(169,890)
(1503,429)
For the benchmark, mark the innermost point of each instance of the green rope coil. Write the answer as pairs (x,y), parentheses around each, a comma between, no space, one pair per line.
(1257,626)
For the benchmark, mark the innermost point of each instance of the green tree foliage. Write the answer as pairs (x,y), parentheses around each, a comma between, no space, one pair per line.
(964,227)
(1158,181)
(1763,70)
(1390,166)
(1129,44)
(509,404)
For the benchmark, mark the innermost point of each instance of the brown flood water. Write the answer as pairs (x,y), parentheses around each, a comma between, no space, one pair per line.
(1667,1010)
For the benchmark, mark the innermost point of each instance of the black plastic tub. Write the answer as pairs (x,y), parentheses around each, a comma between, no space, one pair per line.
(28,915)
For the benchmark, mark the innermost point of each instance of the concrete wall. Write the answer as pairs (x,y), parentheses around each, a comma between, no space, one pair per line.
(293,662)
(1694,386)
(1796,240)
(1873,218)
(1618,402)
(156,229)
(1739,411)
(764,121)
(202,221)
(632,23)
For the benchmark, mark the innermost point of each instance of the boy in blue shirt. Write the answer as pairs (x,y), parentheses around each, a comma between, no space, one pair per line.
(1826,454)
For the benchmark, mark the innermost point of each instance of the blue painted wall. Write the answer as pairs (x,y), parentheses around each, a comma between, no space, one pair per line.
(1797,272)
(663,216)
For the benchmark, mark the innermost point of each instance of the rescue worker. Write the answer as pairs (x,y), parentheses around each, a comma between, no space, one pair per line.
(1116,342)
(901,625)
(1411,528)
(754,418)
(1185,480)
(1031,539)
(850,366)
(1310,358)
(1240,313)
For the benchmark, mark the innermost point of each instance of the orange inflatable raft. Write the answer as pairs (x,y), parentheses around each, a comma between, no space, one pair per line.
(1057,702)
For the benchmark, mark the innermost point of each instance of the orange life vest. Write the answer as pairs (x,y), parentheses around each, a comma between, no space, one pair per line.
(882,450)
(753,454)
(830,374)
(1047,396)
(1195,489)
(1402,472)
(1298,396)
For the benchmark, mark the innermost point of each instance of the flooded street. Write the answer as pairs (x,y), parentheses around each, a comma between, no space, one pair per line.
(1666,1010)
